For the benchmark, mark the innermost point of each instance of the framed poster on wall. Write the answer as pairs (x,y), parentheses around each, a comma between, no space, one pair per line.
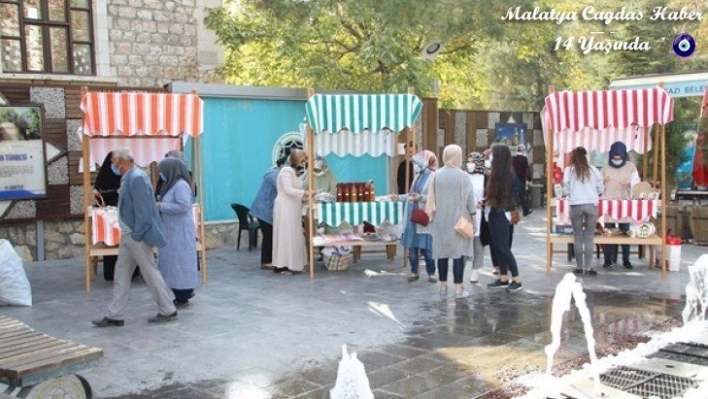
(22,157)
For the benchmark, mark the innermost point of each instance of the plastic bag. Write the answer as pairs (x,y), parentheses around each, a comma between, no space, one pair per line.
(15,289)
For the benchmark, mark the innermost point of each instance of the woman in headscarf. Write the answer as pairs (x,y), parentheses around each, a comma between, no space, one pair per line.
(416,238)
(500,198)
(477,171)
(325,180)
(262,208)
(106,193)
(176,260)
(450,197)
(289,249)
(619,176)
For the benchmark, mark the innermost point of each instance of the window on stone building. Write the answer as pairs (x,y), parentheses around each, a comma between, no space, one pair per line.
(46,36)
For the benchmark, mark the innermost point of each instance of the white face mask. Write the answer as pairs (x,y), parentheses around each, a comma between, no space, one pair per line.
(488,164)
(617,162)
(470,167)
(319,174)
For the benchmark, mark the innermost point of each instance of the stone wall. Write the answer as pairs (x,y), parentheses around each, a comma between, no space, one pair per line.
(65,239)
(152,42)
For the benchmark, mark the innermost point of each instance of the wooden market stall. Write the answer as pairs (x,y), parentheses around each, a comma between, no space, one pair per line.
(150,125)
(356,124)
(594,120)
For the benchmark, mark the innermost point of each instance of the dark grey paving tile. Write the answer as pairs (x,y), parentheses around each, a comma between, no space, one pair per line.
(418,365)
(385,376)
(374,360)
(292,387)
(381,394)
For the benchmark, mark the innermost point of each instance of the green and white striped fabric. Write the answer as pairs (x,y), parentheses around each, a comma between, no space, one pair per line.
(360,112)
(355,213)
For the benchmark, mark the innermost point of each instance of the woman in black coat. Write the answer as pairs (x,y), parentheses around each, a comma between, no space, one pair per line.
(106,187)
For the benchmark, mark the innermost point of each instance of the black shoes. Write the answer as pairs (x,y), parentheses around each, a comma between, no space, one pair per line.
(160,318)
(106,322)
(530,211)
(413,277)
(589,272)
(607,265)
(498,283)
(513,287)
(180,304)
(627,264)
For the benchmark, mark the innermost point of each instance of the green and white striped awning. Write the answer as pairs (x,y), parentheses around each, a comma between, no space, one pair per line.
(361,112)
(356,213)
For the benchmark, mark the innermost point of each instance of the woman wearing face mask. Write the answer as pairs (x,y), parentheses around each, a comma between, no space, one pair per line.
(289,249)
(106,187)
(416,238)
(176,260)
(325,180)
(619,176)
(477,170)
(450,196)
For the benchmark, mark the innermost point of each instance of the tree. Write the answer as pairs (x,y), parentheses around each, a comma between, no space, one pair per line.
(368,45)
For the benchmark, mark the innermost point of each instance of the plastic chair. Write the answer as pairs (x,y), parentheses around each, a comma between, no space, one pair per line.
(246,222)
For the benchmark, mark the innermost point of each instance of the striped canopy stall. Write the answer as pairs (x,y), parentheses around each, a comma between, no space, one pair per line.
(123,115)
(357,124)
(596,119)
(148,123)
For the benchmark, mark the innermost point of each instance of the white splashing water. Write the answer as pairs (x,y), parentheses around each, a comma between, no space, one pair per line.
(570,288)
(695,329)
(697,292)
(352,382)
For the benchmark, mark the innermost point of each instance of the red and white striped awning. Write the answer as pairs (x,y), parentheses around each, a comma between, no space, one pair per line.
(120,116)
(142,113)
(596,119)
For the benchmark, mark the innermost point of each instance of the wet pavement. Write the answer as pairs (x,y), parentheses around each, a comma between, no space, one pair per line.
(253,334)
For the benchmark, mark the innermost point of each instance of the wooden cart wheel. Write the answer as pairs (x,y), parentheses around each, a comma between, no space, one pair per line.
(68,387)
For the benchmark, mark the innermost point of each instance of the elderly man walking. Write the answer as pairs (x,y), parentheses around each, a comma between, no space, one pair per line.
(140,232)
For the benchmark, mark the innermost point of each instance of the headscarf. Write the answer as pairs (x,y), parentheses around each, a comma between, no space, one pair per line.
(320,163)
(452,156)
(173,169)
(108,182)
(478,160)
(426,159)
(618,148)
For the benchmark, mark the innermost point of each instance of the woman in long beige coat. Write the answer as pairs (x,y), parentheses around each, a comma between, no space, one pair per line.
(289,251)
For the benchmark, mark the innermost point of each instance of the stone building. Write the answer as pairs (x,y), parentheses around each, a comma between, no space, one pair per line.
(49,50)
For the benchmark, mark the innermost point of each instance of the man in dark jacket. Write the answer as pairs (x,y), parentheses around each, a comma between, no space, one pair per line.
(403,186)
(523,173)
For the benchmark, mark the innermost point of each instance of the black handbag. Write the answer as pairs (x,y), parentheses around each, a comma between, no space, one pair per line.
(484,236)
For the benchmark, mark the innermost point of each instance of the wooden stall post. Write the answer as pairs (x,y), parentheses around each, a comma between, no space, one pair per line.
(645,157)
(199,176)
(549,191)
(310,185)
(86,152)
(655,153)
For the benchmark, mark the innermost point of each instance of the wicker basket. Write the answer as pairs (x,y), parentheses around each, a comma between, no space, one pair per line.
(699,224)
(337,263)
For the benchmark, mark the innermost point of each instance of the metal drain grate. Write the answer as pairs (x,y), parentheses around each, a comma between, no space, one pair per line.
(646,383)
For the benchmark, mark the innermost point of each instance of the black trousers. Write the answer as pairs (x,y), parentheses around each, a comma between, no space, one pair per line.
(524,200)
(182,295)
(267,244)
(500,245)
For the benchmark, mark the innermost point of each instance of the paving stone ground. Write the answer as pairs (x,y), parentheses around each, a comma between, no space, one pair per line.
(253,334)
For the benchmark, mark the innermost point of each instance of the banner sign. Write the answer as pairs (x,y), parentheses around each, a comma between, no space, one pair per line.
(22,157)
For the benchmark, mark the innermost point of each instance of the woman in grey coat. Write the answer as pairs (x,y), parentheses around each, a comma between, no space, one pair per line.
(450,196)
(176,260)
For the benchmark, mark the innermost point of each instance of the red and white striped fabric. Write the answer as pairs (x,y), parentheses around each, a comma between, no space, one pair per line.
(105,227)
(638,210)
(596,119)
(144,151)
(142,113)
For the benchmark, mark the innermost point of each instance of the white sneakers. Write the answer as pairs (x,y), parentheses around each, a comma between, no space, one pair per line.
(474,276)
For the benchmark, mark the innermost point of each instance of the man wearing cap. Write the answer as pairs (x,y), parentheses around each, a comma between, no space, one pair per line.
(401,175)
(523,173)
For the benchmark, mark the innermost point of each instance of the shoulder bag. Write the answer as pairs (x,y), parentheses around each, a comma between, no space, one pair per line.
(463,226)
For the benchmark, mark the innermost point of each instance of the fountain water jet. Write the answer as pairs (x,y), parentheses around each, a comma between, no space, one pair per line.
(697,292)
(566,290)
(352,382)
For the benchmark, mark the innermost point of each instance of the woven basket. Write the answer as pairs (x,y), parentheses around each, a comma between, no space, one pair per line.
(338,263)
